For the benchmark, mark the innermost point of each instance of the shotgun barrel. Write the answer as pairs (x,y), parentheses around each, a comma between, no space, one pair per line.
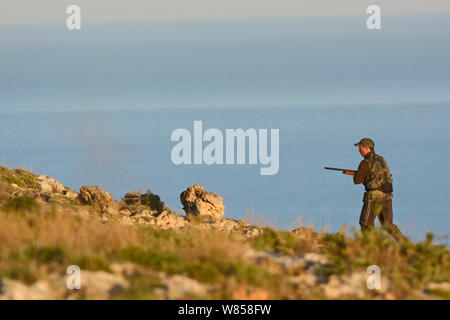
(346,171)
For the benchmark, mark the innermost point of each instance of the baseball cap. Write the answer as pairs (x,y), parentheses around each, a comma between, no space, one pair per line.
(367,142)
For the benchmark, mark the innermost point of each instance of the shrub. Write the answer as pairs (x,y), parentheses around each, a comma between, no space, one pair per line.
(282,242)
(153,201)
(24,203)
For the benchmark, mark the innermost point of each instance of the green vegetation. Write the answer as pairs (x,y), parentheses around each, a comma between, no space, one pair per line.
(18,204)
(152,201)
(20,177)
(408,265)
(49,242)
(39,239)
(282,242)
(39,242)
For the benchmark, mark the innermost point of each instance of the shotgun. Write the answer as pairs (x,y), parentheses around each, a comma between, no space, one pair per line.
(344,171)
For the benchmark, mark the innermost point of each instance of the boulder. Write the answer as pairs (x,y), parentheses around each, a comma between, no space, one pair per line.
(15,290)
(69,193)
(96,197)
(137,203)
(171,221)
(435,286)
(94,285)
(197,201)
(101,285)
(50,185)
(132,198)
(178,287)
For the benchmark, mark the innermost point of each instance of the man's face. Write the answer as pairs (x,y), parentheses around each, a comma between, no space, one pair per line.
(363,150)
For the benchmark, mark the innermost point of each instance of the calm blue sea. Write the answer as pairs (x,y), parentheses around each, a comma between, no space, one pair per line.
(98,107)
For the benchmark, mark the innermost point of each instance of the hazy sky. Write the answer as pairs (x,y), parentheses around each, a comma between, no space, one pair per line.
(53,11)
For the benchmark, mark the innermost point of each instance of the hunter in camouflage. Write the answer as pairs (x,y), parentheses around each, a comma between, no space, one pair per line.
(374,173)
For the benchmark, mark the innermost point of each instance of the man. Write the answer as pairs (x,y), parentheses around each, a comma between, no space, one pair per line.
(374,173)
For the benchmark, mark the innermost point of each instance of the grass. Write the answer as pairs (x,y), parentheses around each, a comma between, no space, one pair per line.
(282,242)
(20,177)
(38,239)
(20,204)
(142,287)
(407,265)
(38,242)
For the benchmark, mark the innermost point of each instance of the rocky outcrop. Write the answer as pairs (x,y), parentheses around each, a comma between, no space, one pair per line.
(229,226)
(166,286)
(166,220)
(136,203)
(52,186)
(181,287)
(197,201)
(94,285)
(15,290)
(101,285)
(278,262)
(95,196)
(132,198)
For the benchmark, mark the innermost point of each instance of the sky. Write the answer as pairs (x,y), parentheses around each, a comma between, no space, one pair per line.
(99,11)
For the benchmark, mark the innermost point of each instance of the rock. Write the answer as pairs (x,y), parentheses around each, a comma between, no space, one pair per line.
(45,197)
(125,211)
(95,196)
(308,279)
(223,225)
(305,233)
(181,287)
(94,285)
(243,292)
(137,203)
(353,285)
(15,290)
(69,193)
(197,201)
(101,285)
(274,259)
(50,185)
(132,198)
(30,193)
(434,286)
(125,269)
(252,231)
(313,258)
(346,287)
(171,221)
(241,227)
(310,236)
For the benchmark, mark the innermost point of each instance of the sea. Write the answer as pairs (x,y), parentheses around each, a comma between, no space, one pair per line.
(97,106)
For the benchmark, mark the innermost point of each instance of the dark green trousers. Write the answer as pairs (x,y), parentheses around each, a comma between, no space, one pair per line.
(383,210)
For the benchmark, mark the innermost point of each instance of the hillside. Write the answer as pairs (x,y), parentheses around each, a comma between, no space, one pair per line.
(137,248)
